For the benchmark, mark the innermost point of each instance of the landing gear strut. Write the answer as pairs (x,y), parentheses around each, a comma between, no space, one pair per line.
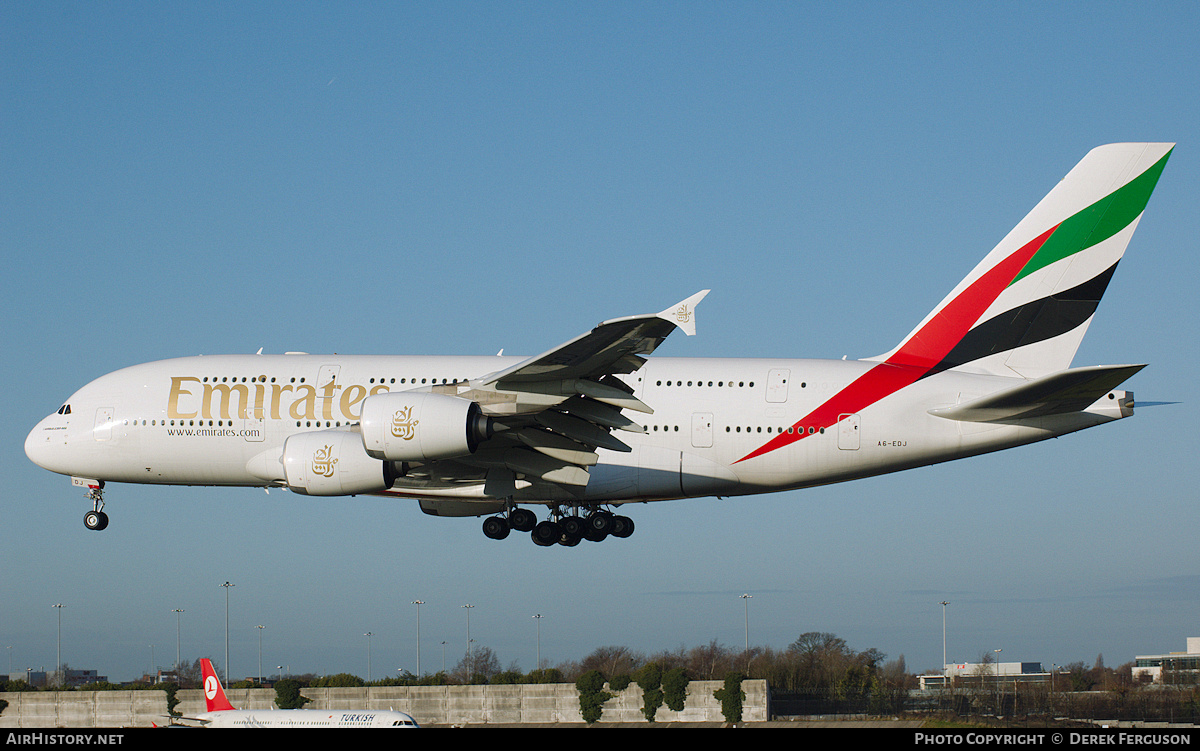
(96,519)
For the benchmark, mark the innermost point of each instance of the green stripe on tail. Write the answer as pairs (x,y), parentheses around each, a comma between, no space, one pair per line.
(1097,222)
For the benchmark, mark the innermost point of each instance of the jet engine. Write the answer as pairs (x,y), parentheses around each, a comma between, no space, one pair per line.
(332,462)
(410,426)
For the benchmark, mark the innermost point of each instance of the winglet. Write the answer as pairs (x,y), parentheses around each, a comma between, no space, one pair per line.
(683,314)
(214,694)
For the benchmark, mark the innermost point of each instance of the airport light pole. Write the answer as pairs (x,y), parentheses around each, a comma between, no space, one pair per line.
(470,664)
(999,685)
(58,654)
(227,585)
(418,603)
(178,617)
(944,603)
(746,600)
(260,672)
(538,619)
(368,635)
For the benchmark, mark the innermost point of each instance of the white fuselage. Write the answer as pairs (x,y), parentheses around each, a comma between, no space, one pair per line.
(305,718)
(719,427)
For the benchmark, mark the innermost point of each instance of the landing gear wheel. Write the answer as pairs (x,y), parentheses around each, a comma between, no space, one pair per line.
(599,525)
(546,534)
(95,520)
(495,527)
(573,526)
(622,526)
(522,519)
(568,540)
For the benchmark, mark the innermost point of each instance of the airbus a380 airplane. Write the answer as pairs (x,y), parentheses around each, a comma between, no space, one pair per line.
(594,423)
(219,713)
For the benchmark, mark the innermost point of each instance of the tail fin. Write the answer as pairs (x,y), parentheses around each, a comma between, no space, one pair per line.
(1024,309)
(214,694)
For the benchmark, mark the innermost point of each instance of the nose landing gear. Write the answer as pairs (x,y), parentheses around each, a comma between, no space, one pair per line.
(95,519)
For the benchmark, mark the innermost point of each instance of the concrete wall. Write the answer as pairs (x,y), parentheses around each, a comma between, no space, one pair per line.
(84,709)
(430,705)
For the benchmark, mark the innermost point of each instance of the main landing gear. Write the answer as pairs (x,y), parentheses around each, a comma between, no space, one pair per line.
(566,529)
(96,519)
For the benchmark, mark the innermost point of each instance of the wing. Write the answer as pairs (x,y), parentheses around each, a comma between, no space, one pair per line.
(173,721)
(554,412)
(612,347)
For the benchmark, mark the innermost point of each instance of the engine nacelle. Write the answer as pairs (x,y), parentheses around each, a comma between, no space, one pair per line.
(332,462)
(408,426)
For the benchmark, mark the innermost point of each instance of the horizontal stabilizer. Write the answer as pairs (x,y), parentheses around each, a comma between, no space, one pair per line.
(1058,393)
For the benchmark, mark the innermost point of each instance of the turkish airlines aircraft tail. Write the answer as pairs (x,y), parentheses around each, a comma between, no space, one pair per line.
(214,693)
(1024,309)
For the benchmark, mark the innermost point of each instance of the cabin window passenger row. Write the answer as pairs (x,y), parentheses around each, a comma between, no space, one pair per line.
(719,384)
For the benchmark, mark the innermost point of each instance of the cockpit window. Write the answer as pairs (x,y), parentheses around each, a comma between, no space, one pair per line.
(64,409)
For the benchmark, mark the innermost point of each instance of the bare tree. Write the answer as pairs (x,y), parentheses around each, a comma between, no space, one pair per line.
(477,666)
(612,661)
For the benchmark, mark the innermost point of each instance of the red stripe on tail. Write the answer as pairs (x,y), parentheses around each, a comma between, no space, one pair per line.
(920,354)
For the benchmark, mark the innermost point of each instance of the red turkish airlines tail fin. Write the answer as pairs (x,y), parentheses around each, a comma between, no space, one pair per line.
(214,694)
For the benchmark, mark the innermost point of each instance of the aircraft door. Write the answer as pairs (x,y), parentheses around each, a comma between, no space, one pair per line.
(848,435)
(702,430)
(327,378)
(777,385)
(104,424)
(253,429)
(327,387)
(253,426)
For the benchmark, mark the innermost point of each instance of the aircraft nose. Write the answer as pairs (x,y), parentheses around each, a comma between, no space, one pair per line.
(43,441)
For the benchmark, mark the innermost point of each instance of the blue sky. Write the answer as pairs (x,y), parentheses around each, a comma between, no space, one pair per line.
(457,178)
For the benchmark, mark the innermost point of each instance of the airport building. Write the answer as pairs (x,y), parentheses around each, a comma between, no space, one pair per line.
(1183,667)
(36,678)
(43,679)
(986,674)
